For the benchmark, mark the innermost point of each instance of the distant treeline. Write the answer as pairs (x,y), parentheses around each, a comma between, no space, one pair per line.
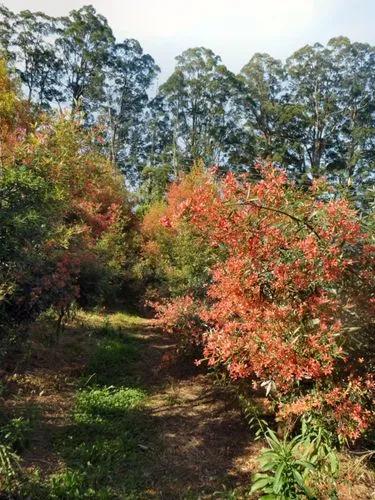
(314,114)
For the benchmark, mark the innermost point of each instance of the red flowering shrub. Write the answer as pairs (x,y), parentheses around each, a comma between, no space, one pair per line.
(181,317)
(346,406)
(291,271)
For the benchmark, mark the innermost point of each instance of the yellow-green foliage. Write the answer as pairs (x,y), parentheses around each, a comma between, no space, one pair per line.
(176,262)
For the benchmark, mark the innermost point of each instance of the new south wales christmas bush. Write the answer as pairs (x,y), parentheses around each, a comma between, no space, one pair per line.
(286,296)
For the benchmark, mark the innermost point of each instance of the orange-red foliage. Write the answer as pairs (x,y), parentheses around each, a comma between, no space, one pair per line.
(276,310)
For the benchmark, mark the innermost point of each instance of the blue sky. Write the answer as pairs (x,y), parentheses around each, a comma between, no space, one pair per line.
(234,29)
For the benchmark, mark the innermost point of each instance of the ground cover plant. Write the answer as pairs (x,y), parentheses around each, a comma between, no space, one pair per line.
(106,431)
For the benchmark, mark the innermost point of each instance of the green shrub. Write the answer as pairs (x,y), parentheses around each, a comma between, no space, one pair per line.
(283,469)
(319,443)
(289,466)
(9,465)
(16,433)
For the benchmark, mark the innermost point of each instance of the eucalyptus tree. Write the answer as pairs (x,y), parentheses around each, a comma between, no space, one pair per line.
(84,43)
(7,18)
(261,83)
(199,97)
(332,91)
(354,159)
(130,75)
(312,84)
(27,42)
(160,132)
(36,60)
(160,166)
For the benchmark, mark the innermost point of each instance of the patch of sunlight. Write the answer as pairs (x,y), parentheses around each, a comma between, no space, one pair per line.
(96,320)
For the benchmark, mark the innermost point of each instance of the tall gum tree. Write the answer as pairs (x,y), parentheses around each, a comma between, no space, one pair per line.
(130,75)
(84,45)
(199,96)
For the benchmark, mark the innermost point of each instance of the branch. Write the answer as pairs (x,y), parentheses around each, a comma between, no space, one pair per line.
(293,217)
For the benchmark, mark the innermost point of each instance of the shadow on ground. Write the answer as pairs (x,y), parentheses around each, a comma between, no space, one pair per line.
(129,420)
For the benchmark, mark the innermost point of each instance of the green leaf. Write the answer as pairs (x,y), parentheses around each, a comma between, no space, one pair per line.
(268,466)
(304,463)
(260,484)
(301,483)
(259,475)
(298,478)
(333,461)
(269,455)
(278,480)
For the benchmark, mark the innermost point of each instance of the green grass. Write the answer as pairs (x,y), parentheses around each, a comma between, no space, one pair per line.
(107,446)
(97,405)
(113,361)
(101,447)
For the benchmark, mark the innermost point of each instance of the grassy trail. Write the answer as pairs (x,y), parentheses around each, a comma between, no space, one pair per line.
(123,419)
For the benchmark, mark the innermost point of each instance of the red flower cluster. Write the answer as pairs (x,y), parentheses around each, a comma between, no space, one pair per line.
(276,306)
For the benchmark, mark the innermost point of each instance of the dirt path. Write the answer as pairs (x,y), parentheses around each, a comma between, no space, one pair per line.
(206,449)
(186,440)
